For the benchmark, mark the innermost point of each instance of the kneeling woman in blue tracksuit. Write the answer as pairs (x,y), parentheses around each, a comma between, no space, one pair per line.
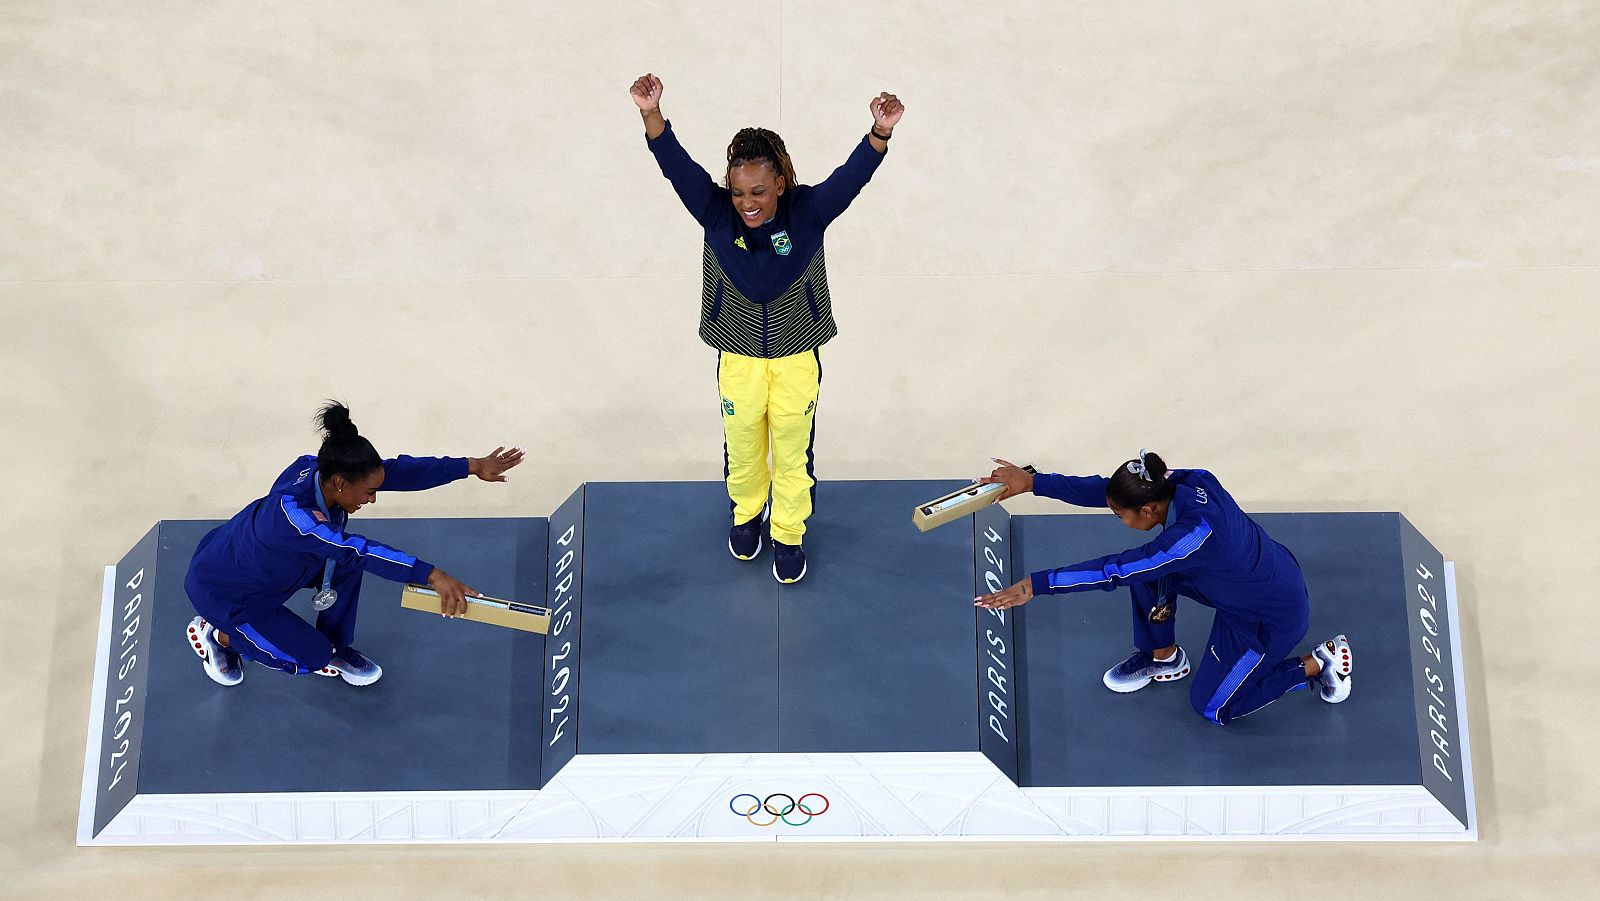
(246,569)
(1208,551)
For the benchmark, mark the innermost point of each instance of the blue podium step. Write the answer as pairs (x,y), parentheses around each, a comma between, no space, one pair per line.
(689,650)
(455,708)
(876,650)
(1076,732)
(680,640)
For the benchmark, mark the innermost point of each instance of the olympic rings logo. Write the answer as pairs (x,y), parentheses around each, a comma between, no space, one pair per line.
(778,810)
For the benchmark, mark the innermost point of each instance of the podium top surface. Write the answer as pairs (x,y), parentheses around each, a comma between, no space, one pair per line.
(688,650)
(1076,732)
(455,708)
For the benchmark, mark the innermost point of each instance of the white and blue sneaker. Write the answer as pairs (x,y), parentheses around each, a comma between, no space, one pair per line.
(221,664)
(352,666)
(1142,668)
(1333,683)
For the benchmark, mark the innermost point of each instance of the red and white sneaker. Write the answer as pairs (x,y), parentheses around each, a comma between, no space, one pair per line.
(353,667)
(221,664)
(1333,683)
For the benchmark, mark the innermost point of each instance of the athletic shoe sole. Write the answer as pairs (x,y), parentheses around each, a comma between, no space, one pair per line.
(196,633)
(752,556)
(782,580)
(1126,687)
(350,678)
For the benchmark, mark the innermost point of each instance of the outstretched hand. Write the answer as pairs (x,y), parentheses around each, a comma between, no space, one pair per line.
(1016,479)
(493,467)
(886,112)
(646,93)
(1015,596)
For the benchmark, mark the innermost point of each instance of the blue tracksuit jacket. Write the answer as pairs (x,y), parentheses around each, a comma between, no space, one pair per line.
(1208,550)
(279,544)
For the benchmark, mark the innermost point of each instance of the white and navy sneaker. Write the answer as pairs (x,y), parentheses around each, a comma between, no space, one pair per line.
(352,666)
(1333,683)
(221,664)
(1142,668)
(788,562)
(744,541)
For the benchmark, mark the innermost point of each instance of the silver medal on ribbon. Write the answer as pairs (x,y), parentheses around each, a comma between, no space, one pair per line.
(325,599)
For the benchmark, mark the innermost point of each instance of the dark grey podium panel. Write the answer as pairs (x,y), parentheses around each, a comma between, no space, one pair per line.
(688,650)
(680,640)
(876,651)
(1075,732)
(457,706)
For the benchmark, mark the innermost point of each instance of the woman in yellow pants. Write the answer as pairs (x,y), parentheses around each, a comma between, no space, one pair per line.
(765,307)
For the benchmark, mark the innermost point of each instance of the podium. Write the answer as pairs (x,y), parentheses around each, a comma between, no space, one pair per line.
(682,694)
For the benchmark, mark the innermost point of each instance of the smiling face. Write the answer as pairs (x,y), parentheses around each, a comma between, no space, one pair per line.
(755,188)
(352,496)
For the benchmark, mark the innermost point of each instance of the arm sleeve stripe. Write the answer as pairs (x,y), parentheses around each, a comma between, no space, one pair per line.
(305,525)
(1180,549)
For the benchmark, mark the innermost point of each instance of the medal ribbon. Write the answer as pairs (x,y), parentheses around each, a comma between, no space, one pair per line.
(316,492)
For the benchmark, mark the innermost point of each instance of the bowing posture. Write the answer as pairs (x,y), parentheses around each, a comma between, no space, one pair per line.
(245,570)
(1208,551)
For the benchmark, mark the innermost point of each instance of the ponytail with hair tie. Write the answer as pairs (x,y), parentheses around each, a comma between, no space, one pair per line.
(1138,467)
(1139,482)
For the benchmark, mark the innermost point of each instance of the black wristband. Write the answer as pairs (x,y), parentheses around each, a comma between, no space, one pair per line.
(883,138)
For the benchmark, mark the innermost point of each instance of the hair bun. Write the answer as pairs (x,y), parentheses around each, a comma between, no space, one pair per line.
(1153,464)
(334,418)
(1143,480)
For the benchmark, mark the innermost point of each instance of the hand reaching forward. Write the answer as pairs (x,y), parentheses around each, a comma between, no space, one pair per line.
(493,467)
(1016,479)
(1015,596)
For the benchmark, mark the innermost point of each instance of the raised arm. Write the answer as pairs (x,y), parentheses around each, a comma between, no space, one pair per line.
(832,196)
(699,194)
(646,93)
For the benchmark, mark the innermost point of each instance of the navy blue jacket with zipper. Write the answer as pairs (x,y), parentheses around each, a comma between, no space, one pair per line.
(765,291)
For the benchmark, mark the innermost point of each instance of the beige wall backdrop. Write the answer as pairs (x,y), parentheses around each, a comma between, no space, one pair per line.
(1343,254)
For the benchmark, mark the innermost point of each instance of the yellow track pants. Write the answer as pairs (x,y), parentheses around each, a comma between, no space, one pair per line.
(777,398)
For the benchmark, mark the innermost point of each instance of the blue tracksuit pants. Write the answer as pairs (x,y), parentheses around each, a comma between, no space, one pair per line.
(1245,666)
(280,638)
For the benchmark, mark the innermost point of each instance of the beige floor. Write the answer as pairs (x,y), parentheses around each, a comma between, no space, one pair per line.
(1343,254)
